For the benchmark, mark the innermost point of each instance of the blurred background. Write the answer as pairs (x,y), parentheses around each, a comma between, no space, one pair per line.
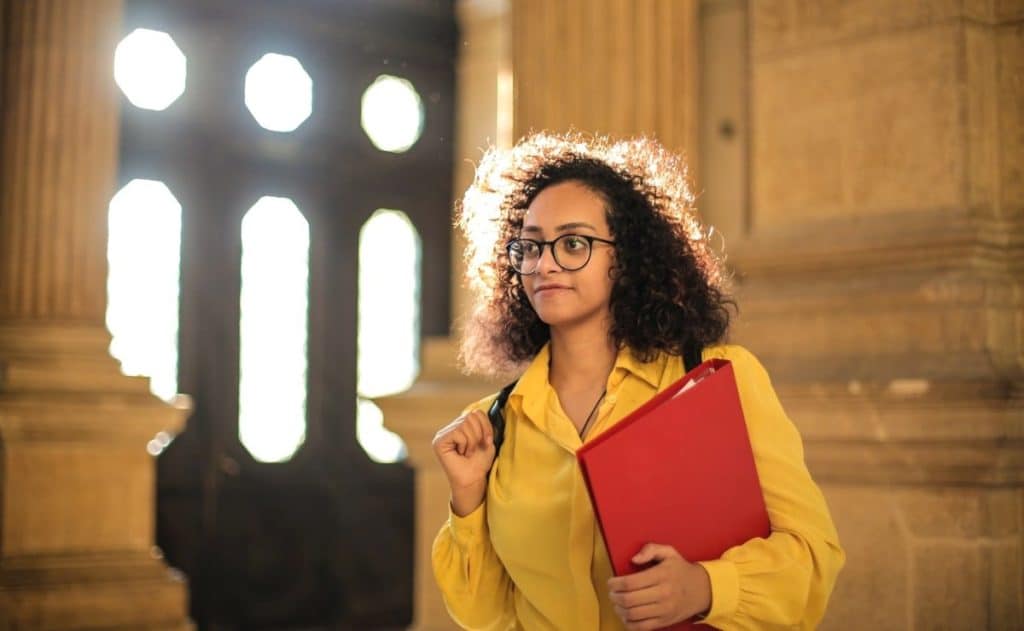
(230,290)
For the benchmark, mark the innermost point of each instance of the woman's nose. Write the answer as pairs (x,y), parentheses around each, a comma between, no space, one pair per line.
(547,262)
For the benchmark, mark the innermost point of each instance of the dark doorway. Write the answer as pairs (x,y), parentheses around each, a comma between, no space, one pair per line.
(322,539)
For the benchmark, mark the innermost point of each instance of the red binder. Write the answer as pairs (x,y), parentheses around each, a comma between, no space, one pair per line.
(679,471)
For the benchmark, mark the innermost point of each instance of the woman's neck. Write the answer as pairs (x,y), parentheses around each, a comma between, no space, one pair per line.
(581,358)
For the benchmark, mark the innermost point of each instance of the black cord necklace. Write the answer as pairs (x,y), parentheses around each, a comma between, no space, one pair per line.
(583,430)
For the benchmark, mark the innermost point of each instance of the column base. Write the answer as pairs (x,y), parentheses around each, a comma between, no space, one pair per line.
(117,591)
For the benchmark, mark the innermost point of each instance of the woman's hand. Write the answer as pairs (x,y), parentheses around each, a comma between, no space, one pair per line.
(671,591)
(465,449)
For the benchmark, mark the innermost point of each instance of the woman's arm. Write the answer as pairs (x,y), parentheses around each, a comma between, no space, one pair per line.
(476,588)
(786,579)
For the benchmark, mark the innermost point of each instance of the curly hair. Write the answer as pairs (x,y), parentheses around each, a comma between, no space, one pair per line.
(668,284)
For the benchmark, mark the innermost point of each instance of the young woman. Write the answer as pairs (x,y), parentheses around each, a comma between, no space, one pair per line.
(591,276)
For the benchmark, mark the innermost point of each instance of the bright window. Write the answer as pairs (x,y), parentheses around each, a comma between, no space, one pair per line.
(150,69)
(388,337)
(144,282)
(273,330)
(392,114)
(279,92)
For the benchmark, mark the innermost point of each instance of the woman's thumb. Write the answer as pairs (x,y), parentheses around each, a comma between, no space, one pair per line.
(650,552)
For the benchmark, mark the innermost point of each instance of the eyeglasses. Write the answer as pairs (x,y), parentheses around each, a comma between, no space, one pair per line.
(570,251)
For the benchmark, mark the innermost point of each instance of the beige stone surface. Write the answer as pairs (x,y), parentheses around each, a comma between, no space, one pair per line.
(607,66)
(724,91)
(832,134)
(950,586)
(1006,595)
(484,94)
(785,25)
(59,156)
(878,567)
(152,602)
(1010,82)
(81,505)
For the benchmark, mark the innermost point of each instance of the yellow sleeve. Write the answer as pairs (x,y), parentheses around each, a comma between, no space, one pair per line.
(784,580)
(477,590)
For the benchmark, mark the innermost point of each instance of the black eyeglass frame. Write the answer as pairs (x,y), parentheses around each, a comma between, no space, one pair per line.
(542,244)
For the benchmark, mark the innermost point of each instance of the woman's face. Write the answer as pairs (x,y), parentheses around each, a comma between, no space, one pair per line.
(562,297)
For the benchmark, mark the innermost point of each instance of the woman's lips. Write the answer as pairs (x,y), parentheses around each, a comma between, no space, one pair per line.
(548,289)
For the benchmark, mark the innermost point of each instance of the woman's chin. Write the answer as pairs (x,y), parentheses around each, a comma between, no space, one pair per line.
(559,317)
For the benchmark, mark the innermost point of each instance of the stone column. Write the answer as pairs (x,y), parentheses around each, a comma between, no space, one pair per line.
(437,397)
(76,482)
(614,67)
(881,280)
(441,391)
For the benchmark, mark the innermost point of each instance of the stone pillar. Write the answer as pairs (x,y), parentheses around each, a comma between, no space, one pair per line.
(484,98)
(76,482)
(437,397)
(881,280)
(614,67)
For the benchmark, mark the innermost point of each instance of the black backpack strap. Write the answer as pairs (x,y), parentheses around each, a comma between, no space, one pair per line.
(497,416)
(692,354)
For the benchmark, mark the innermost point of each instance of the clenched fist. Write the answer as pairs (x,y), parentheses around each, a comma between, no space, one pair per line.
(465,449)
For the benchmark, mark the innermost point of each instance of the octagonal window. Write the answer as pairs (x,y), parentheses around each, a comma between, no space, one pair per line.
(143,283)
(392,114)
(150,69)
(279,92)
(273,330)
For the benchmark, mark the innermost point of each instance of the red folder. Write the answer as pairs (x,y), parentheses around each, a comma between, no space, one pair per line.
(678,471)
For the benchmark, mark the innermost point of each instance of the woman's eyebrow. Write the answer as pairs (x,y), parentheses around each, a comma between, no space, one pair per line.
(574,225)
(561,228)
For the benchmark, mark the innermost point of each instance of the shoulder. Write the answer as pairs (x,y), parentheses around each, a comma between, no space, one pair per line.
(483,404)
(732,352)
(745,364)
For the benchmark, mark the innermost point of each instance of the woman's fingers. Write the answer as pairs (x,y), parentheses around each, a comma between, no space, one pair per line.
(465,450)
(475,431)
(466,434)
(458,438)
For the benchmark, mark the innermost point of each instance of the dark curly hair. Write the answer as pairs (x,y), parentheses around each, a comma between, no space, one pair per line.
(668,288)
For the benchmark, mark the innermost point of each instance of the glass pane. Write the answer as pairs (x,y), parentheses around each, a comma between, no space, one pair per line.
(378,443)
(150,69)
(273,329)
(392,114)
(389,320)
(143,282)
(279,92)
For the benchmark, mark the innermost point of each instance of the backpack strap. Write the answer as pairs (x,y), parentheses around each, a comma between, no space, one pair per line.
(496,413)
(692,354)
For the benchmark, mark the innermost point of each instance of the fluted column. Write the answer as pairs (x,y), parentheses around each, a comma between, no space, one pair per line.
(615,67)
(76,482)
(59,158)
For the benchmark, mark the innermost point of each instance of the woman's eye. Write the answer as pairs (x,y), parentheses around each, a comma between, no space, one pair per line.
(574,243)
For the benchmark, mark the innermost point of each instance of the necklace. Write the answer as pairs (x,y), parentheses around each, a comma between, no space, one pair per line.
(586,423)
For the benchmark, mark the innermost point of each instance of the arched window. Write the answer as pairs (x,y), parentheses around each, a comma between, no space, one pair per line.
(389,323)
(272,329)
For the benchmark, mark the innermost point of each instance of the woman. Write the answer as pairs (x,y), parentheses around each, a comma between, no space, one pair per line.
(591,276)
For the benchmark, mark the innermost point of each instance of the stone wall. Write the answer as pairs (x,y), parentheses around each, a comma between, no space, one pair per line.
(863,162)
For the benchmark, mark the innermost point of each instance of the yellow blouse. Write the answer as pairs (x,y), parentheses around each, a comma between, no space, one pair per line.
(532,557)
